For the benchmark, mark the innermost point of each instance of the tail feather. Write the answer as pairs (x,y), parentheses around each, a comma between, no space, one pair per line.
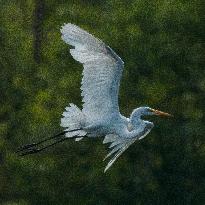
(73,118)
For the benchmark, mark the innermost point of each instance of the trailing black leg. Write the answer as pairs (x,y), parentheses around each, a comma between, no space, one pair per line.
(34,150)
(33,147)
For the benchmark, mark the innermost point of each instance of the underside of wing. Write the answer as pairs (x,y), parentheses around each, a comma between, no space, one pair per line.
(102,71)
(118,146)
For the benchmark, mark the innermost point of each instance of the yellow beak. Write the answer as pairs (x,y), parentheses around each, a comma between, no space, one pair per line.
(160,113)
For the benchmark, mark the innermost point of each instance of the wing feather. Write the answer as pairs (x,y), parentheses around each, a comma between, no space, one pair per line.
(102,71)
(119,145)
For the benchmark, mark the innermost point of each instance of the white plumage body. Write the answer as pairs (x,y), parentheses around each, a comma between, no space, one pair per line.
(100,115)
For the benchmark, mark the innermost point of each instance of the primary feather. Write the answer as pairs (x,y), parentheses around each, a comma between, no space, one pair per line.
(119,145)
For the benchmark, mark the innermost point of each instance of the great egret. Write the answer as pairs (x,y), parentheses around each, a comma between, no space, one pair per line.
(100,115)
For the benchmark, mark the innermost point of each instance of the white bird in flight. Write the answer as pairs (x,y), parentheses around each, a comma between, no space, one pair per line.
(100,116)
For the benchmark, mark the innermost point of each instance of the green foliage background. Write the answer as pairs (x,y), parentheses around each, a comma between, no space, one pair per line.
(162,45)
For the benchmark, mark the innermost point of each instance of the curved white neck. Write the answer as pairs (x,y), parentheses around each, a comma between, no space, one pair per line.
(135,118)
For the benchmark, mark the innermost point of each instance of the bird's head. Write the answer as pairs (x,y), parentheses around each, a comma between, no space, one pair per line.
(151,111)
(144,111)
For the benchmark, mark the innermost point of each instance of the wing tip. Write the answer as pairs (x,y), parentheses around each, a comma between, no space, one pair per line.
(74,35)
(66,30)
(107,167)
(105,170)
(66,26)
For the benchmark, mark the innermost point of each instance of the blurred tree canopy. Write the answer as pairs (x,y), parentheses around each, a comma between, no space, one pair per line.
(162,43)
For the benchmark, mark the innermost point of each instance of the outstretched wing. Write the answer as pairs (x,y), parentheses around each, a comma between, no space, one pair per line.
(119,145)
(102,71)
